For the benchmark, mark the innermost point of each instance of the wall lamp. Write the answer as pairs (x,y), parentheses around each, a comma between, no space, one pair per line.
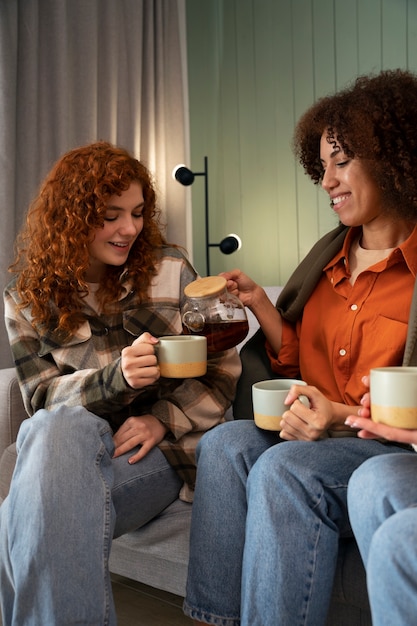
(229,244)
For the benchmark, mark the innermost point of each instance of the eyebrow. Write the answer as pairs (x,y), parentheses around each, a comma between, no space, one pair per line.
(332,154)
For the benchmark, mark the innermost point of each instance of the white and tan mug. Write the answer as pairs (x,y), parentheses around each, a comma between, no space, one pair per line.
(268,398)
(394,396)
(182,356)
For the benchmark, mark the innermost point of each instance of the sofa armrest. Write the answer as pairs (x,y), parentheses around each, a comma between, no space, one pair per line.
(12,410)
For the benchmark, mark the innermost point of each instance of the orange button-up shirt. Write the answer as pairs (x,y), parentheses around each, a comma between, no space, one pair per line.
(347,329)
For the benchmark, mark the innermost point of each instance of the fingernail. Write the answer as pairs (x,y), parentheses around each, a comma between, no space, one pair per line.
(350,423)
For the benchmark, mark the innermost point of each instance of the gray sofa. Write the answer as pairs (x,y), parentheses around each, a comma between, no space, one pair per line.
(157,554)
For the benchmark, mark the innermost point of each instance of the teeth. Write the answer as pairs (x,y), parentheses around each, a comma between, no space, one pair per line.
(337,200)
(120,245)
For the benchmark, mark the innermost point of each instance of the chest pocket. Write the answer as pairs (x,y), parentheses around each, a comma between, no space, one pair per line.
(77,353)
(157,320)
(387,338)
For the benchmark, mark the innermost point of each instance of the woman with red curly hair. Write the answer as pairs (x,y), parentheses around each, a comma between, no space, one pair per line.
(349,306)
(109,443)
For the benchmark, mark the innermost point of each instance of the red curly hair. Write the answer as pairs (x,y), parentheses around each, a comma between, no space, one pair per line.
(374,120)
(52,254)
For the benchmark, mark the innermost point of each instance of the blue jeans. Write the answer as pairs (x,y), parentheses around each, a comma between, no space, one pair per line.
(266,523)
(68,499)
(382,500)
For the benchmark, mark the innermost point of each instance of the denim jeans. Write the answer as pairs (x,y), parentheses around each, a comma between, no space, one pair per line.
(266,523)
(382,500)
(68,499)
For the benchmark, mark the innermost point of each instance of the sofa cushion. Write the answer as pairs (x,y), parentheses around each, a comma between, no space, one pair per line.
(157,553)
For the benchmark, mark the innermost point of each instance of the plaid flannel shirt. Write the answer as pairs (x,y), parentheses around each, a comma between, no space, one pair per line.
(86,370)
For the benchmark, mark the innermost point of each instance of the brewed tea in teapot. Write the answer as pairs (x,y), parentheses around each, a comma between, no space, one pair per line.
(212,311)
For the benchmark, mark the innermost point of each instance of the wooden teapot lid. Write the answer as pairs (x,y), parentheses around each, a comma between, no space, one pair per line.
(204,287)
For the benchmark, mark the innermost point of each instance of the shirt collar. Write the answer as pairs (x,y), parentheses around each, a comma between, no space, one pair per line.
(408,251)
(343,253)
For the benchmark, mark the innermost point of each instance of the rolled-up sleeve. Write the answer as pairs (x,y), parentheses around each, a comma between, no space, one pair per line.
(287,362)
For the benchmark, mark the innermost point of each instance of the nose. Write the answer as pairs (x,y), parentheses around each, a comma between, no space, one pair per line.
(128,226)
(329,180)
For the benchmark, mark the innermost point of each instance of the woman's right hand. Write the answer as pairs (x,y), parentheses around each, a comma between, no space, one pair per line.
(255,298)
(240,285)
(139,363)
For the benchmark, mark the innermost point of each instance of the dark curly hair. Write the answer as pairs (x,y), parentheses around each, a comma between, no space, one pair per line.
(375,120)
(52,254)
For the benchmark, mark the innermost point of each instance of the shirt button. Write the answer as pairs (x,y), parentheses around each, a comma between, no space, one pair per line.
(354,307)
(342,352)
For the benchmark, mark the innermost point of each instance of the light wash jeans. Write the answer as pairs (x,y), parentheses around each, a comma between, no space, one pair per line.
(382,500)
(68,498)
(266,523)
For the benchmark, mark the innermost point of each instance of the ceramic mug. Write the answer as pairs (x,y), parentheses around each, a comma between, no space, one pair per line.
(268,398)
(182,356)
(394,396)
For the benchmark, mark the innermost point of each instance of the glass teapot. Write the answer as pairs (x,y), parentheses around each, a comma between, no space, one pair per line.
(212,311)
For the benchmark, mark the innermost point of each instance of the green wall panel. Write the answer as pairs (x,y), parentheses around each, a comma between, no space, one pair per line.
(254,67)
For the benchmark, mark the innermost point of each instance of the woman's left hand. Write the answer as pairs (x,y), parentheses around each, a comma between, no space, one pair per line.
(306,423)
(373,430)
(144,430)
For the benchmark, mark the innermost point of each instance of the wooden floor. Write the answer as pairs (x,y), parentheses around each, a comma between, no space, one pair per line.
(139,605)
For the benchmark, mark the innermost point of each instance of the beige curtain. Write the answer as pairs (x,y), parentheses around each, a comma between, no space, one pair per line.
(75,71)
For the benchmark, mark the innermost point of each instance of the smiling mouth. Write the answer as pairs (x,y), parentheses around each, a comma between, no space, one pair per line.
(119,245)
(337,200)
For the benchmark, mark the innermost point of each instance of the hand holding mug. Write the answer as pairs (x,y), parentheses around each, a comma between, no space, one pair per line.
(307,423)
(139,364)
(270,403)
(369,429)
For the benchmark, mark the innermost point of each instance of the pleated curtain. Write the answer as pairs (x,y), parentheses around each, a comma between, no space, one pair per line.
(77,71)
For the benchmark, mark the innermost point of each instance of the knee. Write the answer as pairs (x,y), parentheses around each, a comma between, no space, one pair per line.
(285,468)
(284,457)
(225,441)
(361,482)
(264,467)
(371,476)
(365,482)
(376,476)
(226,455)
(61,424)
(272,464)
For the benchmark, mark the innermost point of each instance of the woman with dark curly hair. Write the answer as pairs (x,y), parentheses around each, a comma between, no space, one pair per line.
(265,554)
(109,443)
